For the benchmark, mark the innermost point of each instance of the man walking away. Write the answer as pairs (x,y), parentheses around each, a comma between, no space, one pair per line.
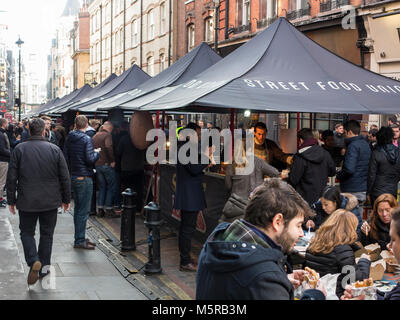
(39,172)
(81,157)
(105,171)
(353,176)
(4,159)
(312,165)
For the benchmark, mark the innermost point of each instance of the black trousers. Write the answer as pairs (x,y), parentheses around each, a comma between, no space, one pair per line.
(135,181)
(186,231)
(27,225)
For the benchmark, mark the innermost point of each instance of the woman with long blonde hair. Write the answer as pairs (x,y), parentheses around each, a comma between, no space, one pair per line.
(333,247)
(378,227)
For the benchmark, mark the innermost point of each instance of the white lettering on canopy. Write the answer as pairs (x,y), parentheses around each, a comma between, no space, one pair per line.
(321,85)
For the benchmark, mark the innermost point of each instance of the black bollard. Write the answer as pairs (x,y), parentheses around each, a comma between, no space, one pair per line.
(128,220)
(153,222)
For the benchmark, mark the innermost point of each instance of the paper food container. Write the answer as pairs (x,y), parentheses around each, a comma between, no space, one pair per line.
(369,292)
(373,248)
(377,270)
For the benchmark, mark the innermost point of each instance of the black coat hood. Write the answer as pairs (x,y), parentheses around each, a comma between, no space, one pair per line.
(315,154)
(391,152)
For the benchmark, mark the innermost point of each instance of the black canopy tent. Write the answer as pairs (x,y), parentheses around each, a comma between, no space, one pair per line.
(89,93)
(180,72)
(128,80)
(282,70)
(69,98)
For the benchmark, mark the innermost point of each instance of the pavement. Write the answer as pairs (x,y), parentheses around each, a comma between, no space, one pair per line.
(76,274)
(171,283)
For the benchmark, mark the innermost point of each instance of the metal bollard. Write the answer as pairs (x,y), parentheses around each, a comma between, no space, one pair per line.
(128,220)
(153,222)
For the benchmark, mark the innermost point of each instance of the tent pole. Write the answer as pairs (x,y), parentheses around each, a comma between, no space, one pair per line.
(232,127)
(311,121)
(157,164)
(298,127)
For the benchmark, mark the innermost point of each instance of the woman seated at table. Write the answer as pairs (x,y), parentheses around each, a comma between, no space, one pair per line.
(333,247)
(240,182)
(377,229)
(330,201)
(394,248)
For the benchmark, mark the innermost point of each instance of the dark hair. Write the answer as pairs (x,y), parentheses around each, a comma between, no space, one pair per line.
(384,136)
(394,126)
(3,121)
(373,132)
(396,219)
(305,134)
(353,126)
(332,193)
(272,197)
(393,119)
(338,125)
(326,134)
(36,127)
(193,126)
(260,125)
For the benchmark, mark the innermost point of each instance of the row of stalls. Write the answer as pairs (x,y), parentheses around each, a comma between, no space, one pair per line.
(280,70)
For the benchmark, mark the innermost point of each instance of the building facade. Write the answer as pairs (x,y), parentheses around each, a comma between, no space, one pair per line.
(125,32)
(80,44)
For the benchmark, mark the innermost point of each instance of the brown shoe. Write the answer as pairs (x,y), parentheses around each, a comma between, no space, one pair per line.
(190,267)
(33,275)
(111,214)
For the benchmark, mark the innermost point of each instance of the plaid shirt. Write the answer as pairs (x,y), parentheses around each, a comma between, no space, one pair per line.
(238,231)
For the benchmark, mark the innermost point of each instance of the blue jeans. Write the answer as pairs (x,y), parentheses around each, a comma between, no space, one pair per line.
(83,190)
(106,183)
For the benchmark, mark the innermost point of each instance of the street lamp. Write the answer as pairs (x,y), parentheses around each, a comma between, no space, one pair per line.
(19,43)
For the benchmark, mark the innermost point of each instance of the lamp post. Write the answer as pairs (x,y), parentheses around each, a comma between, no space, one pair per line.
(19,43)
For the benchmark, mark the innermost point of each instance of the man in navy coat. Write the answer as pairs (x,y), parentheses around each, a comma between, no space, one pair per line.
(190,199)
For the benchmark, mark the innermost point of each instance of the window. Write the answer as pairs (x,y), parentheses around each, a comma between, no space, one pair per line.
(116,7)
(108,12)
(91,55)
(246,12)
(150,25)
(106,52)
(121,39)
(162,18)
(273,10)
(121,5)
(190,37)
(134,33)
(263,9)
(239,12)
(150,66)
(117,43)
(97,20)
(162,62)
(98,51)
(292,5)
(209,29)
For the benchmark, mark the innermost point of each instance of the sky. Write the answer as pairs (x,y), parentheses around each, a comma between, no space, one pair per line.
(36,23)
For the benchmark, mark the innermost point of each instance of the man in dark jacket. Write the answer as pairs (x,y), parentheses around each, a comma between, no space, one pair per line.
(246,260)
(129,164)
(81,157)
(329,145)
(50,135)
(339,136)
(312,165)
(190,199)
(39,172)
(4,158)
(268,150)
(353,176)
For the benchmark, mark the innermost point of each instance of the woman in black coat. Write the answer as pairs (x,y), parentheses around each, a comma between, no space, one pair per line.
(333,247)
(376,230)
(384,166)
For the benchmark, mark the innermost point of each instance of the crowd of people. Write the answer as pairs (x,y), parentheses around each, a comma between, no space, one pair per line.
(263,220)
(248,256)
(42,166)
